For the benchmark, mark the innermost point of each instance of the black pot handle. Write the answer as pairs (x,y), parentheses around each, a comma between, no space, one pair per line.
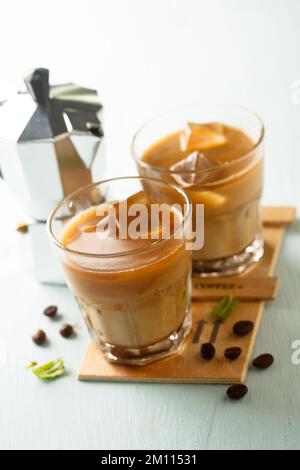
(37,83)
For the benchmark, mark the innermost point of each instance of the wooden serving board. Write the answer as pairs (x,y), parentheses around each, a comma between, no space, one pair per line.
(187,365)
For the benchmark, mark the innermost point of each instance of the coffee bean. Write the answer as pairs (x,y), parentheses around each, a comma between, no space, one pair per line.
(39,337)
(207,351)
(50,311)
(22,227)
(235,392)
(242,328)
(263,361)
(232,353)
(66,330)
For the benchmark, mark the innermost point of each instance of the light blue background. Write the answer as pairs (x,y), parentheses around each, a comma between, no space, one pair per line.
(147,56)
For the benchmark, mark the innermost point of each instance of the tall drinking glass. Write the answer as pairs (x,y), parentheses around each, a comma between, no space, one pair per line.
(215,154)
(133,286)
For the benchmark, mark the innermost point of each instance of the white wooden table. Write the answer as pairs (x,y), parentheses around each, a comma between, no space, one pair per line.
(147,56)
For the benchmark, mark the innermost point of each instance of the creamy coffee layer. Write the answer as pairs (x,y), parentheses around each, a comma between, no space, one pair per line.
(217,165)
(133,293)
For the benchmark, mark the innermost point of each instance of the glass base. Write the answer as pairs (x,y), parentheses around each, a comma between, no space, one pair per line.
(231,265)
(151,353)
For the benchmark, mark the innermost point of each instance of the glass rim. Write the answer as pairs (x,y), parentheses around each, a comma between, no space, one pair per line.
(57,242)
(158,169)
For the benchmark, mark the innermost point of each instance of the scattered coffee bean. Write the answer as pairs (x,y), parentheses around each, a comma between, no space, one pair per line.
(207,351)
(263,361)
(242,328)
(66,330)
(39,337)
(237,391)
(50,311)
(232,353)
(22,227)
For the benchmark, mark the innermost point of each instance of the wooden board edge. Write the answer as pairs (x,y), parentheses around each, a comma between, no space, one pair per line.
(165,380)
(279,215)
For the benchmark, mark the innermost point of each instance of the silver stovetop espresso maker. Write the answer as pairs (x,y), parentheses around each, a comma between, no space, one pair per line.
(51,143)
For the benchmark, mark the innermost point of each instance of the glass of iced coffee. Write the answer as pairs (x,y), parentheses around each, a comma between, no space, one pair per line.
(122,246)
(214,153)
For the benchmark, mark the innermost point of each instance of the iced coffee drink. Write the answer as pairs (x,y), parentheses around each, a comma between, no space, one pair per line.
(133,290)
(214,154)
